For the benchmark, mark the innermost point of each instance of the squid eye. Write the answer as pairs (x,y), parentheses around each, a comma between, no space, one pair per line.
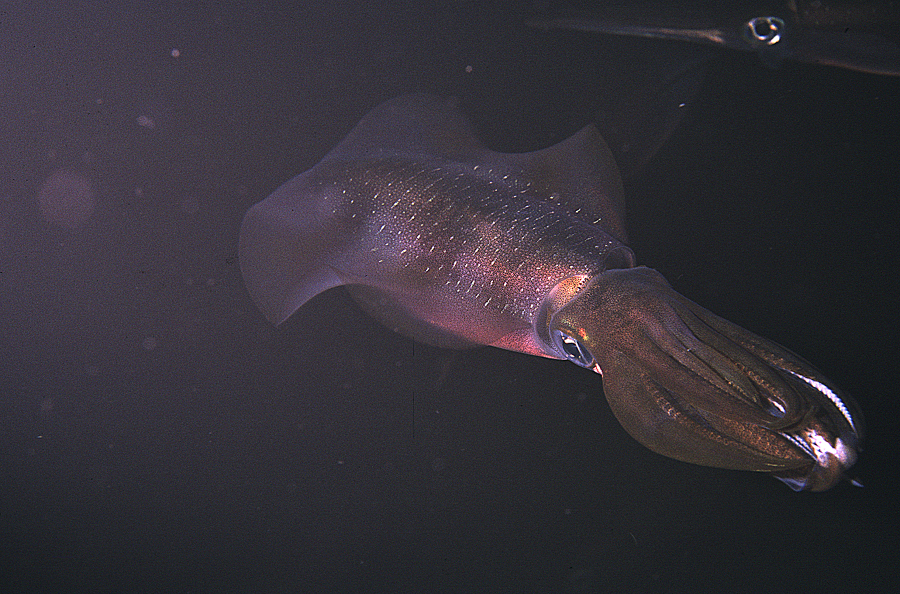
(573,349)
(765,30)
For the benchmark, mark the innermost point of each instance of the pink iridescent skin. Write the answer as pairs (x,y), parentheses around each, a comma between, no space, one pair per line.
(455,245)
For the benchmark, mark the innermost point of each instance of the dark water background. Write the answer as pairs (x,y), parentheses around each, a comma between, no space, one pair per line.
(156,435)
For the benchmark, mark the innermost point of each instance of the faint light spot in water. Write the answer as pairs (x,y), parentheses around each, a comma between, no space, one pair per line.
(66,199)
(138,191)
(149,343)
(190,206)
(146,121)
(176,52)
(469,69)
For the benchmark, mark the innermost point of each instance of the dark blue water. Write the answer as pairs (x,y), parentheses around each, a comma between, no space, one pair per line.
(158,436)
